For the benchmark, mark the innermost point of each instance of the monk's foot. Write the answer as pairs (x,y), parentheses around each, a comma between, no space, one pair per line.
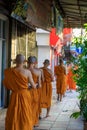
(40,117)
(70,91)
(58,98)
(47,116)
(64,95)
(37,125)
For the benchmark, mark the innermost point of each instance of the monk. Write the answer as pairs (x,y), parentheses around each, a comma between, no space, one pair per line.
(60,74)
(70,81)
(36,74)
(46,94)
(19,113)
(40,72)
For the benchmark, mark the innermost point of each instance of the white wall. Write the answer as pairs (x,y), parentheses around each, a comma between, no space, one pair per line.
(42,38)
(43,53)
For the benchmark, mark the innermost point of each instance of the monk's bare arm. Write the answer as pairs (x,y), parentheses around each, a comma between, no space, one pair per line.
(31,81)
(64,71)
(39,79)
(52,76)
(42,75)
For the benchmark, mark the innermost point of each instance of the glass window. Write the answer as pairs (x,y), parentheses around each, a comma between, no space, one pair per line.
(0,28)
(23,40)
(3,31)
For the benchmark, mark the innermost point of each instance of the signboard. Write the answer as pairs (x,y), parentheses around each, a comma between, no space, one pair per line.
(79,50)
(76,49)
(72,48)
(67,35)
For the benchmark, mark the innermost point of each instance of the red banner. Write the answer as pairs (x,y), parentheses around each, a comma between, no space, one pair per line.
(67,35)
(53,37)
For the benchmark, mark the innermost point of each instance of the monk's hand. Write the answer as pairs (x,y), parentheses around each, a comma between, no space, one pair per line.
(37,85)
(29,86)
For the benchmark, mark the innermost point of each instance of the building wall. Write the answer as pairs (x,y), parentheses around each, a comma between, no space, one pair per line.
(43,53)
(42,38)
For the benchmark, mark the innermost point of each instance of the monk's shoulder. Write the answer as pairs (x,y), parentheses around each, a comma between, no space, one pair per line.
(7,70)
(37,71)
(27,71)
(56,67)
(64,67)
(41,68)
(50,70)
(40,71)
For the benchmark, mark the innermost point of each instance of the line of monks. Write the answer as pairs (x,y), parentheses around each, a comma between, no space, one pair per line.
(64,80)
(31,90)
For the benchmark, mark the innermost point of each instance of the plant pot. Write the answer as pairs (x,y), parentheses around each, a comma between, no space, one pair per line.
(85,125)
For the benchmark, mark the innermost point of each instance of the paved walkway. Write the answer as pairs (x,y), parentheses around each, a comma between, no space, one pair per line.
(59,115)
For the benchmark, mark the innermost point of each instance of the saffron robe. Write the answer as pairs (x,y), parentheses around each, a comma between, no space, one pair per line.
(35,100)
(70,81)
(46,89)
(60,79)
(19,113)
(39,100)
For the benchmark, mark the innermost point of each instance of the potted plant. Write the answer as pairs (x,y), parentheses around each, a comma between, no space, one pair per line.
(80,60)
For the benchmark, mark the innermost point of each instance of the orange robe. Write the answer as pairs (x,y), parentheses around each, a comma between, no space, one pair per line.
(70,81)
(46,93)
(60,79)
(19,113)
(39,101)
(35,100)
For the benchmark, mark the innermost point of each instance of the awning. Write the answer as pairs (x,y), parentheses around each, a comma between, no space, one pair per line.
(74,12)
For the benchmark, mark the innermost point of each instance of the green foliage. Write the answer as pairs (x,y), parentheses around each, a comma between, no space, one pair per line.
(83,107)
(75,115)
(84,112)
(81,74)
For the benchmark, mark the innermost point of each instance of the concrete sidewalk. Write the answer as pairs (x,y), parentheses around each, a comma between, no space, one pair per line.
(59,115)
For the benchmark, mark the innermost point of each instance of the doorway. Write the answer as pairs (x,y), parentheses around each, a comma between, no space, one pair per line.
(2,59)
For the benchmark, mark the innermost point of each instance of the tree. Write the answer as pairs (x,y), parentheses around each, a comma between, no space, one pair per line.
(81,74)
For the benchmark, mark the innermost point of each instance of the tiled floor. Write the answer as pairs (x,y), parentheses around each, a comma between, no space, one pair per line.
(59,115)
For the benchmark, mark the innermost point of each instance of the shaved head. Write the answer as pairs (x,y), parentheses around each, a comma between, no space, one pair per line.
(46,62)
(61,61)
(32,60)
(20,59)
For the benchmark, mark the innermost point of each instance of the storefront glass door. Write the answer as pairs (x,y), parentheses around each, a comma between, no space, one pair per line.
(2,60)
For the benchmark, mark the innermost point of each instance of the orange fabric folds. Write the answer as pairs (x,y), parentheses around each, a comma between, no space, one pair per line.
(70,81)
(19,114)
(60,79)
(34,96)
(46,93)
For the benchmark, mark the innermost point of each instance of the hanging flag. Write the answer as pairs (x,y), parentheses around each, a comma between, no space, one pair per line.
(53,37)
(67,35)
